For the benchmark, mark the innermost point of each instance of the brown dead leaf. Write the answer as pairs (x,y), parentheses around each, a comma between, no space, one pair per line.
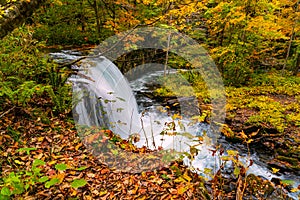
(142,191)
(173,191)
(133,191)
(104,171)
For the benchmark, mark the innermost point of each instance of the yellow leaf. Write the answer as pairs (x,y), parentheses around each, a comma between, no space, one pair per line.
(72,172)
(275,170)
(58,2)
(179,180)
(57,157)
(74,192)
(181,190)
(19,162)
(249,141)
(78,146)
(52,162)
(133,191)
(294,190)
(254,133)
(176,116)
(243,135)
(232,152)
(102,193)
(186,177)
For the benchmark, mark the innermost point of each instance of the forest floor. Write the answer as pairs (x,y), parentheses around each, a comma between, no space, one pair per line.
(34,135)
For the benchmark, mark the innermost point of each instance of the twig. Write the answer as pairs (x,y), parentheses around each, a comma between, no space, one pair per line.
(143,128)
(6,112)
(168,47)
(84,76)
(239,188)
(153,140)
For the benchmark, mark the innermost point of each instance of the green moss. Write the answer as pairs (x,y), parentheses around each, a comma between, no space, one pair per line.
(274,100)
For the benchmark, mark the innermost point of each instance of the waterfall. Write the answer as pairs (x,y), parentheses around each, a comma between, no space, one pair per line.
(104,98)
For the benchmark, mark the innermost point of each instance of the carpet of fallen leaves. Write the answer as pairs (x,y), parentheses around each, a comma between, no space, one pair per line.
(56,141)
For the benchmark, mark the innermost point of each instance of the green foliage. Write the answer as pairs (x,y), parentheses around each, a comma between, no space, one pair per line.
(51,182)
(78,183)
(21,94)
(27,150)
(74,25)
(61,97)
(233,64)
(61,167)
(22,181)
(287,182)
(17,183)
(20,58)
(13,184)
(25,74)
(81,168)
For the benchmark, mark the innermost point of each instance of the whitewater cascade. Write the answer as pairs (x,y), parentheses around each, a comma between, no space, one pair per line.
(104,98)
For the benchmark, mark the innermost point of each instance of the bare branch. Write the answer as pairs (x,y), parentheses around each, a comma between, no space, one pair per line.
(99,54)
(6,112)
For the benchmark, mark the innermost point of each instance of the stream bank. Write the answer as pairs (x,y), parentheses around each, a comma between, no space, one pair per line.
(237,132)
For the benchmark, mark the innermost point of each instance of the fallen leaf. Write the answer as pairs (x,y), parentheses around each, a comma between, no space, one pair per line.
(78,146)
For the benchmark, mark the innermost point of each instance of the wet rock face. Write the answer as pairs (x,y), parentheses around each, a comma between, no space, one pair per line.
(185,106)
(277,149)
(254,187)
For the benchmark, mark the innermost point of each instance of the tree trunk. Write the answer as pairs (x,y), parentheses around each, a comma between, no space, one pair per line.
(16,13)
(82,16)
(297,67)
(291,38)
(98,22)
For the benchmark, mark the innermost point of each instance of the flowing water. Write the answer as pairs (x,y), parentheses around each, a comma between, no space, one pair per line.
(204,159)
(108,99)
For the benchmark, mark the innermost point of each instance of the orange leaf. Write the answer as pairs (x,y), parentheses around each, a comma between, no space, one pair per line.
(78,146)
(181,190)
(60,176)
(104,171)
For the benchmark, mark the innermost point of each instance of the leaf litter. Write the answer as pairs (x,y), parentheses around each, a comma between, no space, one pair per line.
(70,171)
